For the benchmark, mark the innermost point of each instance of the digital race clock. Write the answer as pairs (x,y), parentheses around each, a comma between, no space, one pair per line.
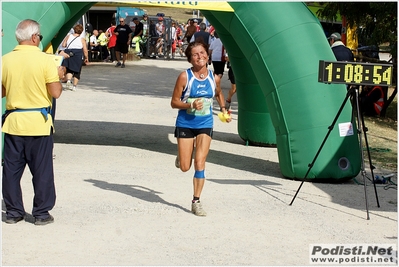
(355,73)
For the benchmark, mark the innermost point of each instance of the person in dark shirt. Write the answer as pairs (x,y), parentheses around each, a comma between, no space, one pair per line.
(138,33)
(123,37)
(202,35)
(153,38)
(341,52)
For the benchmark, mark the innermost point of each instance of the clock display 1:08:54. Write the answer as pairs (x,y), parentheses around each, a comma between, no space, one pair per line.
(355,73)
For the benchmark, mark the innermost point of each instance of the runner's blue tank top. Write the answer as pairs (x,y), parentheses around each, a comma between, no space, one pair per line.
(197,89)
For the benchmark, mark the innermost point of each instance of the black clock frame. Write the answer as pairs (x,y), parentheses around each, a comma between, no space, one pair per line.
(355,73)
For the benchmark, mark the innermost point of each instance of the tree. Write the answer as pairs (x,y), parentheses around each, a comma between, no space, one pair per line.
(375,23)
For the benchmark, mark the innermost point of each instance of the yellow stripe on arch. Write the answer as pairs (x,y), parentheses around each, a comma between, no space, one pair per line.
(201,5)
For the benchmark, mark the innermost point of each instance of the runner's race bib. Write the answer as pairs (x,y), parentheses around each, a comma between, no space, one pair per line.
(206,108)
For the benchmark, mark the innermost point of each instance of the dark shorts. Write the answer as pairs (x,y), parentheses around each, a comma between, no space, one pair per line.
(77,75)
(122,47)
(218,67)
(231,76)
(191,133)
(74,74)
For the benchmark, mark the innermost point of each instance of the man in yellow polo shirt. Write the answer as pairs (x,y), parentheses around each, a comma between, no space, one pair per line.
(103,41)
(30,80)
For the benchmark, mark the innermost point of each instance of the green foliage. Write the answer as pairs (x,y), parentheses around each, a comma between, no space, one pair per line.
(376,22)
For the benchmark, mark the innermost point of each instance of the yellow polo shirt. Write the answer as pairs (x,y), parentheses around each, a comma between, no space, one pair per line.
(25,72)
(102,39)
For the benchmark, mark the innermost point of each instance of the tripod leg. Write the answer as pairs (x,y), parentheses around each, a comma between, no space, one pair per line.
(359,130)
(369,157)
(297,191)
(330,128)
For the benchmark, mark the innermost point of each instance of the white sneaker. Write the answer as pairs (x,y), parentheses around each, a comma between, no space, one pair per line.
(196,208)
(74,88)
(68,85)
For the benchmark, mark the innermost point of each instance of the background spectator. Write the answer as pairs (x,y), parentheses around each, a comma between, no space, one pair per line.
(103,42)
(111,40)
(341,52)
(123,37)
(75,50)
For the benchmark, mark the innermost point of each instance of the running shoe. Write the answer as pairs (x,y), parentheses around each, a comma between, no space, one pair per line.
(68,85)
(196,208)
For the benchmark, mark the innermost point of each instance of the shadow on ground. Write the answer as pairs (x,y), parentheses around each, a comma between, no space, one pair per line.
(136,135)
(137,191)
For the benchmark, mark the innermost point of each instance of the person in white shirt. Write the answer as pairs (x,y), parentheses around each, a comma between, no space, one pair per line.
(174,39)
(218,56)
(75,50)
(94,46)
(160,28)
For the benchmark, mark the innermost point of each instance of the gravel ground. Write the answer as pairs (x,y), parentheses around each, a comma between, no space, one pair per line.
(121,201)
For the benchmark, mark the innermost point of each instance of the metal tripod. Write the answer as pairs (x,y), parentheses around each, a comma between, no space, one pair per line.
(354,92)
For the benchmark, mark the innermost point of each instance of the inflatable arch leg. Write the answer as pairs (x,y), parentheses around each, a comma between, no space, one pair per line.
(254,122)
(283,43)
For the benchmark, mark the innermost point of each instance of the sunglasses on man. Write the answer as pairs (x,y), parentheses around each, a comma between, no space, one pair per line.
(40,36)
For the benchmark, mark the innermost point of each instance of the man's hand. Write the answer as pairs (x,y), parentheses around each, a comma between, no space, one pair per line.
(61,72)
(62,53)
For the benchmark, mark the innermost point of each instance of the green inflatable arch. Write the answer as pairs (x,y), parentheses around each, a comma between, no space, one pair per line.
(274,48)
